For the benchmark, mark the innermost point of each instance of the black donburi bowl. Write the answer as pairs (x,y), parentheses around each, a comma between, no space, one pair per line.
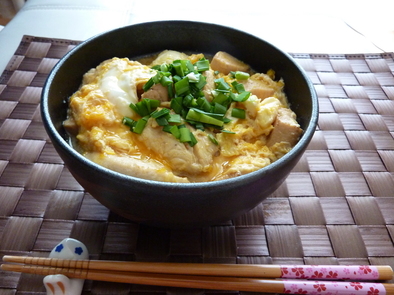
(175,204)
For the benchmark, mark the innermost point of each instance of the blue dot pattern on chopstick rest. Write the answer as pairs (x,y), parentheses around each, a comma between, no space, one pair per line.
(60,247)
(78,250)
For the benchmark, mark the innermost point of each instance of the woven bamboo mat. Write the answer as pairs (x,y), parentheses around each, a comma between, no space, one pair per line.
(336,207)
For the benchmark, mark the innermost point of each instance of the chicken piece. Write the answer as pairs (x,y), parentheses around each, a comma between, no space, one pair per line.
(225,63)
(158,92)
(286,128)
(210,78)
(146,168)
(258,87)
(180,157)
(205,149)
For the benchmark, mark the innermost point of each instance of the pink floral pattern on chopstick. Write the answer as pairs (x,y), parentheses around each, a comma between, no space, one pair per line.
(331,288)
(329,272)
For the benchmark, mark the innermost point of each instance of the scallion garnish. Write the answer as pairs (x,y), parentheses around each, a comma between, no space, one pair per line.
(185,83)
(174,118)
(184,134)
(182,87)
(174,130)
(203,117)
(145,106)
(140,125)
(243,96)
(202,65)
(202,81)
(156,114)
(166,80)
(128,122)
(241,75)
(212,138)
(222,85)
(238,113)
(227,131)
(193,77)
(219,109)
(162,121)
(176,104)
(239,87)
(148,85)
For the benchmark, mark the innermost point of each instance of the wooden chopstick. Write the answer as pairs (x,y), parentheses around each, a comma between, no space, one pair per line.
(210,282)
(337,272)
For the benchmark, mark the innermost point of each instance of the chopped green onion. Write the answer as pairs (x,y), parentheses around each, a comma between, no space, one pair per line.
(227,131)
(156,67)
(176,104)
(193,139)
(164,68)
(178,67)
(139,109)
(162,121)
(177,78)
(184,134)
(174,118)
(238,113)
(128,122)
(174,130)
(156,78)
(145,106)
(199,125)
(219,108)
(203,104)
(165,81)
(148,85)
(152,103)
(202,65)
(212,138)
(239,87)
(182,87)
(242,96)
(226,120)
(156,114)
(185,82)
(140,125)
(167,128)
(221,98)
(187,100)
(221,84)
(193,78)
(203,117)
(187,64)
(241,75)
(170,91)
(202,81)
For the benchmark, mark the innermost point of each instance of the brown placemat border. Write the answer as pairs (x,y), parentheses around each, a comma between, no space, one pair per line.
(336,207)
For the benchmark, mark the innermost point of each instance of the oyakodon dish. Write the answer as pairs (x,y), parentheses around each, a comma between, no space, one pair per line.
(182,118)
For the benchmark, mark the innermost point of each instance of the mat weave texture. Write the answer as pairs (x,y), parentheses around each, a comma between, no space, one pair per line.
(336,206)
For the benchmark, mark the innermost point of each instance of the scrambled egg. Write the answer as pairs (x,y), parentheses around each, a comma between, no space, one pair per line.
(96,110)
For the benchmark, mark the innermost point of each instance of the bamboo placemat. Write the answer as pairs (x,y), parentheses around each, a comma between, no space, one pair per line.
(336,207)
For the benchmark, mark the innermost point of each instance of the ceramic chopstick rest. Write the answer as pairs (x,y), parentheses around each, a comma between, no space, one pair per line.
(60,284)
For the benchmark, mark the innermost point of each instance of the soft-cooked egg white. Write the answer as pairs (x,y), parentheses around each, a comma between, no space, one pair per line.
(120,79)
(98,107)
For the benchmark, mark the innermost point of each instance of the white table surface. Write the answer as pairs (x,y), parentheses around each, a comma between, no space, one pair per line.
(301,26)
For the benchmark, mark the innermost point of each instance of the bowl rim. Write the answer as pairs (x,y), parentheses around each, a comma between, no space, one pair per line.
(65,146)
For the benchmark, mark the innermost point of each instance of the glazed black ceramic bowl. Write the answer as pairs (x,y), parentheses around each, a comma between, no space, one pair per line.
(176,204)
